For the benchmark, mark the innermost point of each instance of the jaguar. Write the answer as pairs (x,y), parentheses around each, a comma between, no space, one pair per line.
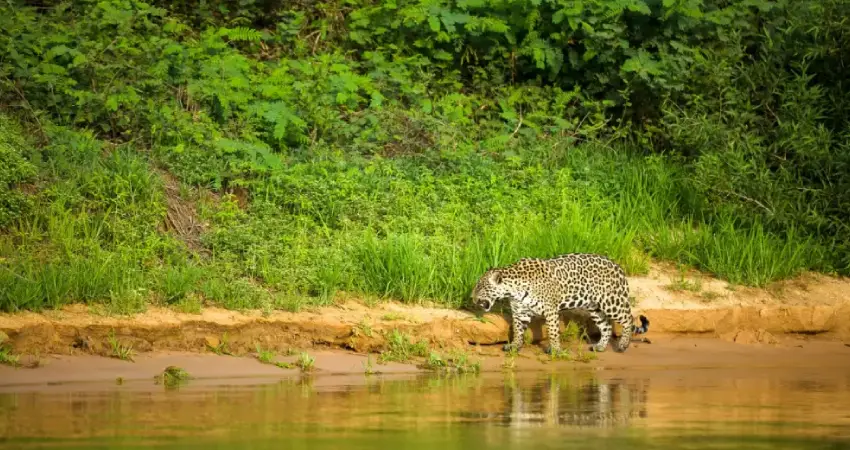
(545,287)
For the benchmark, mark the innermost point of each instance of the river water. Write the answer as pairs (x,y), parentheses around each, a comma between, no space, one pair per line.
(649,409)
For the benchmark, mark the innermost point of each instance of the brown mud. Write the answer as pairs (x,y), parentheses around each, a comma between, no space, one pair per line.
(695,321)
(667,354)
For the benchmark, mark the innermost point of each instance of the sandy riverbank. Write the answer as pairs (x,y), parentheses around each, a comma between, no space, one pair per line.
(695,322)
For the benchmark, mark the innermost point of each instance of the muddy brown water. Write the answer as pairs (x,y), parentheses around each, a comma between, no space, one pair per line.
(673,408)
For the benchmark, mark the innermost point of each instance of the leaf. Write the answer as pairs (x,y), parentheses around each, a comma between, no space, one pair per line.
(434,22)
(241,34)
(558,17)
(377,100)
(638,6)
(112,103)
(443,55)
(643,64)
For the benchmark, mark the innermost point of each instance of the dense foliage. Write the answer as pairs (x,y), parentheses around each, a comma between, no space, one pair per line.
(400,147)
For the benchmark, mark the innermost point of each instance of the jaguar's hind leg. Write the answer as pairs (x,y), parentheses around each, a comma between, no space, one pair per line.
(602,322)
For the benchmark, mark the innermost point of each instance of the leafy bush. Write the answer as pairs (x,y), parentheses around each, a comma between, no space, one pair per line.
(399,148)
(15,169)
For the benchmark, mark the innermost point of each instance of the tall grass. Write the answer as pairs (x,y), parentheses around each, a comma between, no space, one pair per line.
(750,255)
(407,230)
(404,244)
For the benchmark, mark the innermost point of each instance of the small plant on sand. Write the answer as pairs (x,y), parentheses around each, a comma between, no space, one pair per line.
(434,362)
(393,316)
(363,328)
(709,296)
(574,336)
(401,348)
(121,351)
(561,355)
(172,377)
(582,354)
(124,302)
(8,358)
(480,318)
(571,333)
(456,362)
(683,284)
(267,357)
(305,362)
(369,366)
(460,362)
(190,304)
(219,346)
(510,359)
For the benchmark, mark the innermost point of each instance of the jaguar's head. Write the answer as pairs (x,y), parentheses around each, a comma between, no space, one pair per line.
(490,288)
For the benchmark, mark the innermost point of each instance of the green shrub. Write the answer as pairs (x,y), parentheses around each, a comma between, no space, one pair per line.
(401,148)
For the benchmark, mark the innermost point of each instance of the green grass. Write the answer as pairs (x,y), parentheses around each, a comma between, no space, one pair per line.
(393,316)
(456,362)
(119,350)
(369,366)
(189,304)
(268,357)
(305,362)
(509,363)
(363,328)
(265,356)
(8,358)
(437,247)
(303,171)
(219,346)
(172,377)
(401,348)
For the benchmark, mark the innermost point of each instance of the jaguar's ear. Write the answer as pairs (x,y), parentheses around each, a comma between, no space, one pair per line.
(496,277)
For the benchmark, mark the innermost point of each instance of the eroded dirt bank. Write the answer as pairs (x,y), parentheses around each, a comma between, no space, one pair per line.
(808,313)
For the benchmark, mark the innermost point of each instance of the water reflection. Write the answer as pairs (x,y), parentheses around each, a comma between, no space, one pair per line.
(589,403)
(505,409)
(557,401)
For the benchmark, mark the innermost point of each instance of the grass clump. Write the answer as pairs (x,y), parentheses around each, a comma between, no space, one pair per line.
(172,377)
(219,346)
(7,357)
(120,350)
(190,304)
(401,348)
(268,357)
(456,362)
(369,366)
(305,362)
(362,328)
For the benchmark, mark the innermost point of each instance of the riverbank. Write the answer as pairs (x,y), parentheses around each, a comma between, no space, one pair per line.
(666,353)
(696,321)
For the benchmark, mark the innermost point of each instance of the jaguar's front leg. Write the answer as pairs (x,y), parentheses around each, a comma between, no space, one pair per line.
(553,327)
(520,324)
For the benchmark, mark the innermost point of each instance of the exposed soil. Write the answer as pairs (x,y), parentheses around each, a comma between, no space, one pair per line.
(667,353)
(703,322)
(181,216)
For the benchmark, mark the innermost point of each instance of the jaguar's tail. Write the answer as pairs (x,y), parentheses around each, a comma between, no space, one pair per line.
(644,326)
